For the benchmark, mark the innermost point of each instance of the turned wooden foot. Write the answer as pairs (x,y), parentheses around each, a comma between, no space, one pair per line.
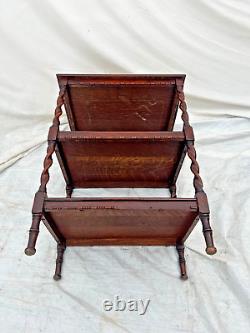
(172,190)
(69,190)
(208,234)
(182,262)
(60,251)
(33,234)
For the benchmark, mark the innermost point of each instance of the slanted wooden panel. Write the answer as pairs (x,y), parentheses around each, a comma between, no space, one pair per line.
(124,221)
(121,102)
(121,159)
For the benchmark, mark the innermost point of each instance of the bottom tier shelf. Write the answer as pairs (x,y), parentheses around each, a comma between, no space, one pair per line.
(121,221)
(118,221)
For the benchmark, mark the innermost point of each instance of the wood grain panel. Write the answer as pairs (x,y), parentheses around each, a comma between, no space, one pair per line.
(116,222)
(121,159)
(121,102)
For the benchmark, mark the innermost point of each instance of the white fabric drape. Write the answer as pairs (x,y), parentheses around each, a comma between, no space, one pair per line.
(207,40)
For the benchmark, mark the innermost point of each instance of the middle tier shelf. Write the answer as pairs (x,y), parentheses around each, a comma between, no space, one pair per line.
(120,159)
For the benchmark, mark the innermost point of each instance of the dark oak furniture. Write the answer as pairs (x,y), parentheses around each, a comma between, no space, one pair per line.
(121,136)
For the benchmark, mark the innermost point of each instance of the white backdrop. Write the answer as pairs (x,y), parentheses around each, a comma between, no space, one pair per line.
(207,40)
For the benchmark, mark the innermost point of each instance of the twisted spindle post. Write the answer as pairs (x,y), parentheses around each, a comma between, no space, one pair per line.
(42,191)
(197,182)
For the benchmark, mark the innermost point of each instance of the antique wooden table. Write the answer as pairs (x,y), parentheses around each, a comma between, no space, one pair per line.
(121,136)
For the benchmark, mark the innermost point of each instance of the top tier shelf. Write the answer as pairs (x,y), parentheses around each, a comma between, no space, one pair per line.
(121,102)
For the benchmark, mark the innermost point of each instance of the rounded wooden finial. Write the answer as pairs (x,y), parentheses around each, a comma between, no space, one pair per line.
(211,250)
(29,251)
(184,277)
(57,277)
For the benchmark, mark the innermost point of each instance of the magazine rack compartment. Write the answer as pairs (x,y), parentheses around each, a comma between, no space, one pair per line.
(121,102)
(120,159)
(125,151)
(121,221)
